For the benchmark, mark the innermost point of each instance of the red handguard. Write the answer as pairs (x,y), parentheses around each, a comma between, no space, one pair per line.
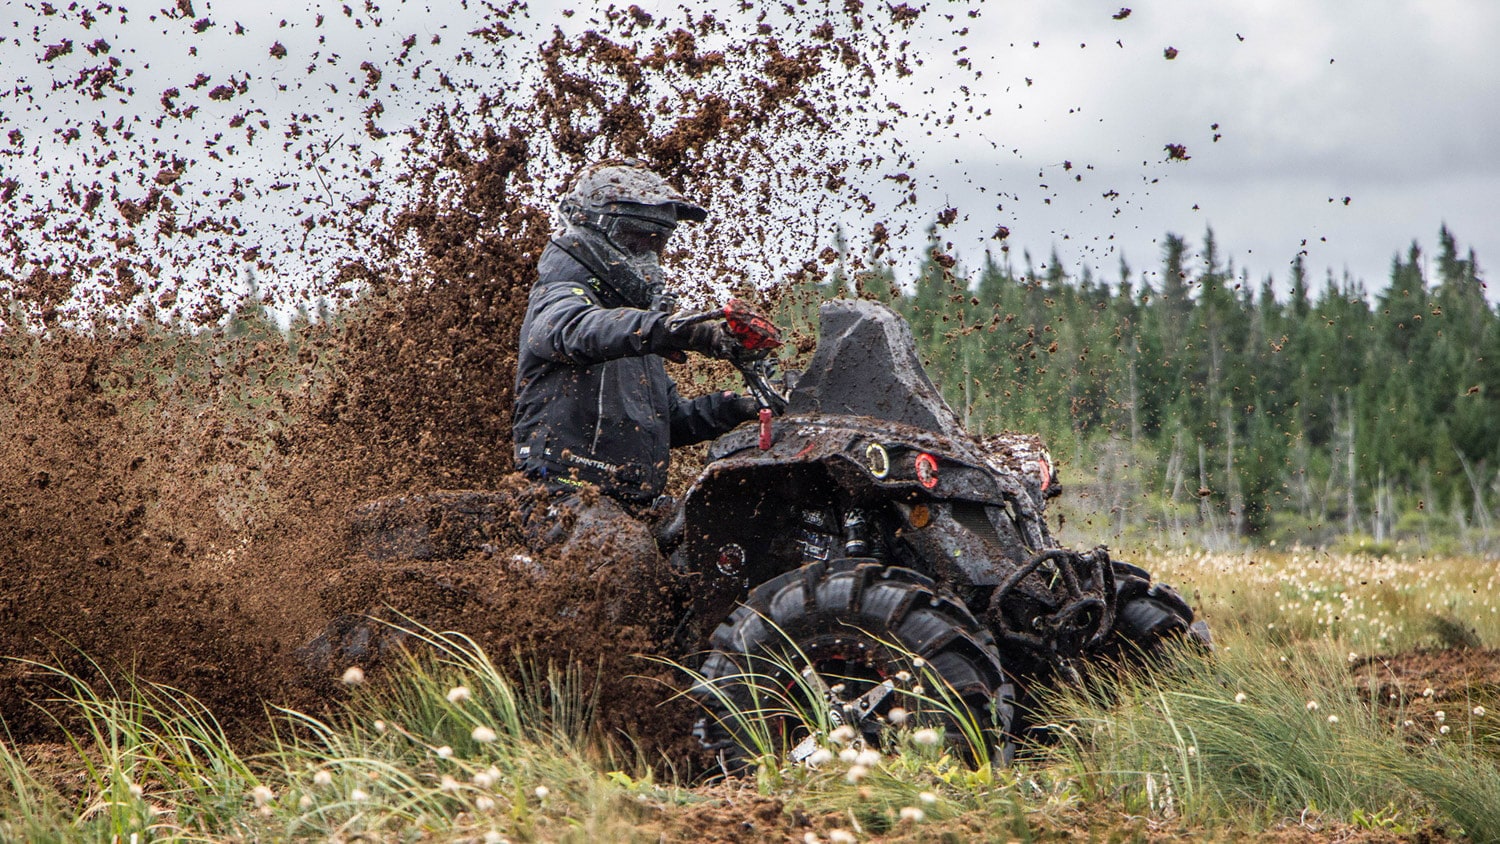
(755,332)
(765,429)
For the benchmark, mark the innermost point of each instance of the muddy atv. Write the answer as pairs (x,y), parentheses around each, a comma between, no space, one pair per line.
(855,560)
(875,564)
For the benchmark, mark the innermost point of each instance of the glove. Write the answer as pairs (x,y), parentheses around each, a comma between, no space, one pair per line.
(707,337)
(743,408)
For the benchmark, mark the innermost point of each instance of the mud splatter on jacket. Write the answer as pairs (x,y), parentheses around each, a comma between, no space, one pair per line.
(593,402)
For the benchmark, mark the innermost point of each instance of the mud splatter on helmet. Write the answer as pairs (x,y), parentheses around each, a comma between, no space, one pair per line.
(619,216)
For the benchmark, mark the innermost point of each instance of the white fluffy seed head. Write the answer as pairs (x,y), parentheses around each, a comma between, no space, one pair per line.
(1241,697)
(913,814)
(868,757)
(1479,711)
(359,795)
(897,715)
(305,802)
(380,727)
(1443,729)
(1440,715)
(448,784)
(458,694)
(841,836)
(842,734)
(857,773)
(1312,706)
(483,734)
(1333,719)
(484,803)
(354,675)
(542,791)
(821,756)
(493,837)
(927,797)
(136,791)
(262,795)
(484,780)
(927,737)
(323,778)
(848,755)
(445,752)
(1427,692)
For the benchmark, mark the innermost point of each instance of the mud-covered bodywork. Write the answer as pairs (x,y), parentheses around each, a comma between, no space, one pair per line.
(868,443)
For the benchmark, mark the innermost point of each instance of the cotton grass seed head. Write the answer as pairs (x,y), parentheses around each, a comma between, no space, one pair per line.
(359,795)
(448,784)
(445,752)
(484,803)
(484,780)
(1241,697)
(541,792)
(380,727)
(1312,706)
(493,837)
(868,757)
(913,814)
(927,797)
(842,734)
(841,836)
(1443,729)
(458,694)
(857,773)
(483,734)
(323,779)
(1333,719)
(897,715)
(354,675)
(1479,711)
(848,755)
(1440,715)
(927,737)
(262,795)
(818,758)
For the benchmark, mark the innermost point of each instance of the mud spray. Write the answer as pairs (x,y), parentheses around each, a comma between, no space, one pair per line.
(240,301)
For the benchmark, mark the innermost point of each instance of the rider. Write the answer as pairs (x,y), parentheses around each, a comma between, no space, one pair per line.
(593,403)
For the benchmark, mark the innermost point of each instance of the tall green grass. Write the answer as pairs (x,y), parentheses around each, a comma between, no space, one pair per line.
(1255,736)
(446,745)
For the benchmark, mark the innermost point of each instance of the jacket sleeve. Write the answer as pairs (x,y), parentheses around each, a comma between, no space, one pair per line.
(568,325)
(703,418)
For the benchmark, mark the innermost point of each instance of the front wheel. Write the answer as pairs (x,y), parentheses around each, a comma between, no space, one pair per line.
(854,649)
(1151,618)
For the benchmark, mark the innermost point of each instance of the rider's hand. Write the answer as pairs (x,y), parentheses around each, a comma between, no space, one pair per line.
(744,408)
(708,337)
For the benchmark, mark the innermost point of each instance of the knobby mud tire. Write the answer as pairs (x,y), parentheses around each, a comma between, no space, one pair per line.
(1151,619)
(830,611)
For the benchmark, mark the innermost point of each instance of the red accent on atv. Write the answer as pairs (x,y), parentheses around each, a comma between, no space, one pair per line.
(754,331)
(765,429)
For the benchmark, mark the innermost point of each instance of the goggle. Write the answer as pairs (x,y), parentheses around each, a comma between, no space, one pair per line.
(638,236)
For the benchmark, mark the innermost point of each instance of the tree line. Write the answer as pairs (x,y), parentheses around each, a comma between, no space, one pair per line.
(1213,404)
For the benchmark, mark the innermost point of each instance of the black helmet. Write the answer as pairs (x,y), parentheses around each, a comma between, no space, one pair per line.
(619,216)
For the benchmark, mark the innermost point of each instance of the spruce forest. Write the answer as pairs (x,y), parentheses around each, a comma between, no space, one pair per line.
(1199,403)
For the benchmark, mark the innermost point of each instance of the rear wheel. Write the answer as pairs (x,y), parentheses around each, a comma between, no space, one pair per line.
(846,644)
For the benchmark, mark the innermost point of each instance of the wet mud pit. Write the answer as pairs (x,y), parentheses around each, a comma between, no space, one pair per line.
(179,470)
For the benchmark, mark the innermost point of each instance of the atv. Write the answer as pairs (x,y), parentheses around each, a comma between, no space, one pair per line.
(857,559)
(877,566)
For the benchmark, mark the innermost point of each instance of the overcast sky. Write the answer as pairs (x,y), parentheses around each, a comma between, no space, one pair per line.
(1285,109)
(1395,105)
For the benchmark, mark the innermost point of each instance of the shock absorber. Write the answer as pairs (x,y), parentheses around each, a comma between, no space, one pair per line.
(856,533)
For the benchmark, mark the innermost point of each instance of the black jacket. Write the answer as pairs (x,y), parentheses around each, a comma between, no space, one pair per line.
(593,400)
